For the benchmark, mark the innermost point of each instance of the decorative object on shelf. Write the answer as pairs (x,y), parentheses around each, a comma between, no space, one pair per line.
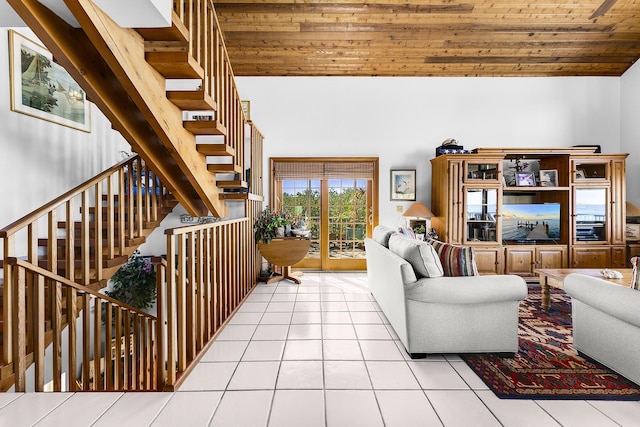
(580,174)
(518,167)
(188,219)
(527,179)
(632,231)
(420,231)
(403,184)
(135,283)
(450,146)
(549,178)
(43,89)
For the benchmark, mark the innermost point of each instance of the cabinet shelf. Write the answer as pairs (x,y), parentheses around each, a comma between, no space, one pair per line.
(514,189)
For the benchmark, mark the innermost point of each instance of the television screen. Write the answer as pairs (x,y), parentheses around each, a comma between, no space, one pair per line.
(532,221)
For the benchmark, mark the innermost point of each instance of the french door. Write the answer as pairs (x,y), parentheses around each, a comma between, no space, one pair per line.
(339,210)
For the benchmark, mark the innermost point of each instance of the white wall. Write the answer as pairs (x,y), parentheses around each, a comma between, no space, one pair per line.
(630,129)
(402,120)
(40,160)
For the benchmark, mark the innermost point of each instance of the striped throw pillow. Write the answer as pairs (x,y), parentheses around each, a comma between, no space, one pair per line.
(635,277)
(456,260)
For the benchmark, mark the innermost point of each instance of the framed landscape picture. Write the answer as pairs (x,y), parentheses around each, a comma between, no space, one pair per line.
(43,89)
(403,184)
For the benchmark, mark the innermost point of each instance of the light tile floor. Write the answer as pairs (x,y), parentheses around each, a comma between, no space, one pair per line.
(319,354)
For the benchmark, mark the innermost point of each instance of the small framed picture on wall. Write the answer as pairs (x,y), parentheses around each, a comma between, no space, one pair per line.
(403,184)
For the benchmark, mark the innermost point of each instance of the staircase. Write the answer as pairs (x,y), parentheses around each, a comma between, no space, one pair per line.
(126,74)
(104,220)
(191,150)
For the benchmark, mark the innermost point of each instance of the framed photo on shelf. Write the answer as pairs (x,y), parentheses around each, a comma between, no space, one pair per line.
(403,184)
(527,179)
(580,174)
(246,108)
(549,178)
(43,89)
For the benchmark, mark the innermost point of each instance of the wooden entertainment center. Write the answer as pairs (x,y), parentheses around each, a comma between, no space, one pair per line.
(495,200)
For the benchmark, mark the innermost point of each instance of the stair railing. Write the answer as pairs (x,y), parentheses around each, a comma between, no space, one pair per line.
(207,47)
(114,208)
(211,268)
(110,346)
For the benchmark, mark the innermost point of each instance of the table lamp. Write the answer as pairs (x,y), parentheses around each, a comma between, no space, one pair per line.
(420,211)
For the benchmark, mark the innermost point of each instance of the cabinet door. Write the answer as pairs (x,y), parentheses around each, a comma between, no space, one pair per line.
(481,214)
(619,257)
(551,257)
(455,221)
(632,250)
(590,215)
(489,260)
(489,171)
(520,260)
(592,257)
(589,171)
(618,196)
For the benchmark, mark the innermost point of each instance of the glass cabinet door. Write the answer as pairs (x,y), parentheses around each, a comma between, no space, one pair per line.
(590,214)
(585,171)
(482,171)
(481,216)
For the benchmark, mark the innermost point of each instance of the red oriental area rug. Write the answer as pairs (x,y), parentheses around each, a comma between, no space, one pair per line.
(547,366)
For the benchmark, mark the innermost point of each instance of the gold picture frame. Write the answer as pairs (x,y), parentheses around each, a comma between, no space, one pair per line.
(43,89)
(246,107)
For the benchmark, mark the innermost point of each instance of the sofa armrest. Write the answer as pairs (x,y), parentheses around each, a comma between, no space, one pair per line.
(616,300)
(468,289)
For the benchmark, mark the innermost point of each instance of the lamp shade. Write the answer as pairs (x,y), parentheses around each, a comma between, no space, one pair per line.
(418,210)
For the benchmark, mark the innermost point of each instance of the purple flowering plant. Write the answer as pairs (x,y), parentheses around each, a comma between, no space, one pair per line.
(135,282)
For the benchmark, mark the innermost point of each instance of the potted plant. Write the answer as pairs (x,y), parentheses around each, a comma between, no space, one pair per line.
(419,230)
(135,283)
(267,225)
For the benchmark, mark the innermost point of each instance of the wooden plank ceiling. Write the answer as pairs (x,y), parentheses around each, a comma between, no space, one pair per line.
(430,38)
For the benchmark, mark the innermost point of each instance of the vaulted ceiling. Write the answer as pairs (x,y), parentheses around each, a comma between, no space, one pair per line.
(430,38)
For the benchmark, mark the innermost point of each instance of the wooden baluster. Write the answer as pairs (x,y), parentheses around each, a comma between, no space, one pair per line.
(19,329)
(72,315)
(70,244)
(56,329)
(85,256)
(129,219)
(118,374)
(191,291)
(7,306)
(38,329)
(126,360)
(161,302)
(181,304)
(143,376)
(52,236)
(86,340)
(98,382)
(110,205)
(208,312)
(98,239)
(170,378)
(138,212)
(109,375)
(134,349)
(122,197)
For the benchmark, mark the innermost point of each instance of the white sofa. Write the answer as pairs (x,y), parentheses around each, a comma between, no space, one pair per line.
(471,314)
(606,323)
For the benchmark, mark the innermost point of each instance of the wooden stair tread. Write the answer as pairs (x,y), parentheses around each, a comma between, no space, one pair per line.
(233,183)
(176,32)
(224,167)
(215,149)
(192,100)
(204,127)
(241,196)
(174,63)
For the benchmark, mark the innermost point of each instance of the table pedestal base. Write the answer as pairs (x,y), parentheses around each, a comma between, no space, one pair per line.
(286,273)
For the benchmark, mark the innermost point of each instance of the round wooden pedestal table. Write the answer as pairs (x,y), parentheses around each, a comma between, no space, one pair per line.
(285,252)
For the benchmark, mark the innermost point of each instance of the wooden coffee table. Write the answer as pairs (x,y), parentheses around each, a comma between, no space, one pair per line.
(554,278)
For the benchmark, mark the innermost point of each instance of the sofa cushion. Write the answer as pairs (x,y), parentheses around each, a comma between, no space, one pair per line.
(456,260)
(422,256)
(381,235)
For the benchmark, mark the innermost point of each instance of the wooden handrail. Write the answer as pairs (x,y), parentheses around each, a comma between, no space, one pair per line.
(64,281)
(110,346)
(36,214)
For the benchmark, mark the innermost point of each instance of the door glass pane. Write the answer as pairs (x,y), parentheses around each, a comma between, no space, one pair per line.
(301,201)
(347,218)
(591,214)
